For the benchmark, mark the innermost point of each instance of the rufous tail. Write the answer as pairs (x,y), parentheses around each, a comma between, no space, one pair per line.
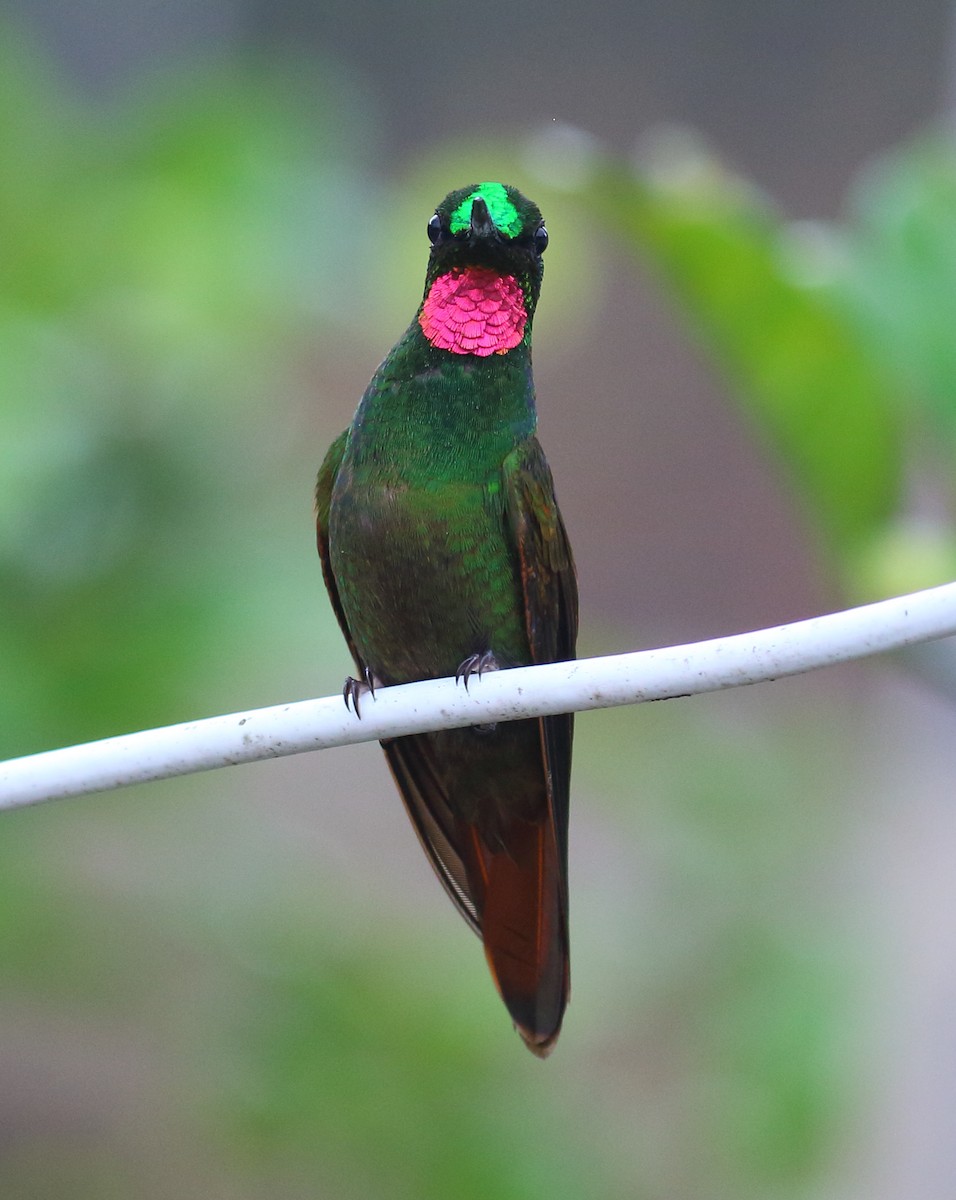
(525,930)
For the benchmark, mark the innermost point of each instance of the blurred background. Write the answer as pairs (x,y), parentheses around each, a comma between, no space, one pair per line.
(247,984)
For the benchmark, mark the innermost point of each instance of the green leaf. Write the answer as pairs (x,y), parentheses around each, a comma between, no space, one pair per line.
(795,358)
(902,275)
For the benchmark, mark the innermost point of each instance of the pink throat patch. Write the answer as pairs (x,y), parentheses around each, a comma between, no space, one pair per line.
(473,310)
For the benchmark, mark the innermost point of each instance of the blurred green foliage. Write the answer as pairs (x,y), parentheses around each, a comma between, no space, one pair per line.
(900,273)
(835,338)
(161,271)
(794,358)
(173,297)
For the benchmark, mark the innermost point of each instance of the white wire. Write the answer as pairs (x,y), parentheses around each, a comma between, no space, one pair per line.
(498,696)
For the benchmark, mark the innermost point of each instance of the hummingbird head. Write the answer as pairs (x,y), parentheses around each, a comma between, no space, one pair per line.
(484,270)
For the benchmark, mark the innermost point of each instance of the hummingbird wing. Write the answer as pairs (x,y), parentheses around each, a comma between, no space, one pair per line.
(414,767)
(411,759)
(324,487)
(525,908)
(550,590)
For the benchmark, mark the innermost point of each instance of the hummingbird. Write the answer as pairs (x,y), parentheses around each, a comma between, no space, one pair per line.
(444,553)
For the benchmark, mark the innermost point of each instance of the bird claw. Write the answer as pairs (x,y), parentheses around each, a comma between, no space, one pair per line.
(354,689)
(475,664)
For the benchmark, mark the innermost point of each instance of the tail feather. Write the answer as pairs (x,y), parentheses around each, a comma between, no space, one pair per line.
(507,876)
(524,928)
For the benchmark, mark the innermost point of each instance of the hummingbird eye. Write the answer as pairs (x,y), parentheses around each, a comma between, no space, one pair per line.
(435,230)
(540,239)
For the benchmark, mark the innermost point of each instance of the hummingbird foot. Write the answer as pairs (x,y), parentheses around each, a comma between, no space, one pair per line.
(475,664)
(354,689)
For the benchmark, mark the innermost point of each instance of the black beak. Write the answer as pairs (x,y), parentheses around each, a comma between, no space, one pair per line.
(482,225)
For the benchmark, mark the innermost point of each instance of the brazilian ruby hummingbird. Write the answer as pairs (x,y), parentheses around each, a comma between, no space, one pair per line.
(444,553)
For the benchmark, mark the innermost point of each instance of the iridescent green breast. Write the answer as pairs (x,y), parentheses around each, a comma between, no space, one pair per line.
(426,576)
